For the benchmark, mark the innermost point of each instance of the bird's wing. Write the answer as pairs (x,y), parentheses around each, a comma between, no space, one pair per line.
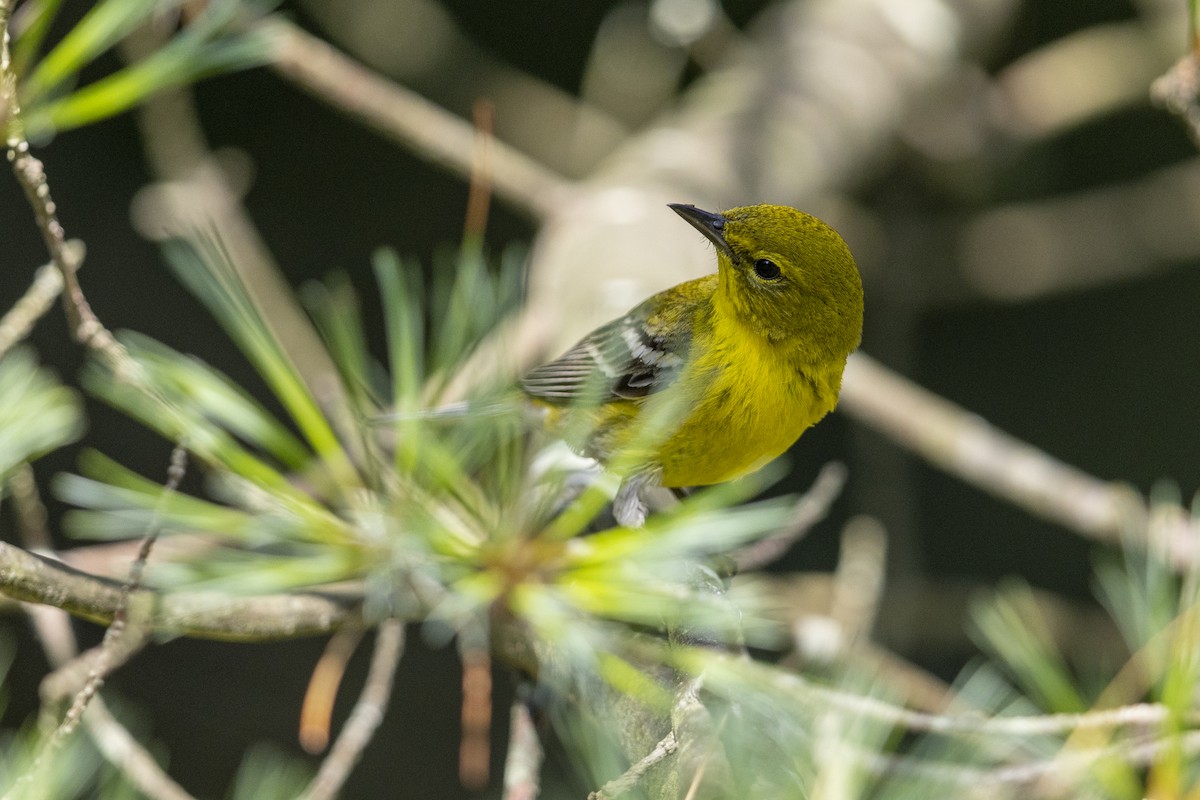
(627,358)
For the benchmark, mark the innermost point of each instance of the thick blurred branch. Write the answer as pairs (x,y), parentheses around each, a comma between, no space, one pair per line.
(205,615)
(968,447)
(195,195)
(1083,75)
(408,118)
(1041,247)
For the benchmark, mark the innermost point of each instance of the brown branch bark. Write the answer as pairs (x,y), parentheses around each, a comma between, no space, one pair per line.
(204,615)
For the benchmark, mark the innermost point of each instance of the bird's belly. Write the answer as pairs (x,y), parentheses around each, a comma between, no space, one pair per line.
(744,422)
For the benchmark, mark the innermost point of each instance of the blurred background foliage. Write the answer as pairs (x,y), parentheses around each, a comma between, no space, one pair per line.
(1023,215)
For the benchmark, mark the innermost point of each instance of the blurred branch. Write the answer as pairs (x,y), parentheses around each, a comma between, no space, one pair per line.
(1081,76)
(205,615)
(523,764)
(408,118)
(47,285)
(418,44)
(316,712)
(62,650)
(112,738)
(474,750)
(859,579)
(196,195)
(964,445)
(811,507)
(1116,232)
(366,715)
(1141,717)
(1045,777)
(121,641)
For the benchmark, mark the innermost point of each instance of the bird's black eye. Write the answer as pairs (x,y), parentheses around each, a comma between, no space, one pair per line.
(766,269)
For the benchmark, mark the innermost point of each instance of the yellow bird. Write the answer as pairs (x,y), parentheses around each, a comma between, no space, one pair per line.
(713,378)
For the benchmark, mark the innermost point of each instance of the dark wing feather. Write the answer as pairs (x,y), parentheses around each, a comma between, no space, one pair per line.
(623,359)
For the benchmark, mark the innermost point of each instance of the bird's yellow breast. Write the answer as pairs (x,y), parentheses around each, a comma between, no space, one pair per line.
(749,400)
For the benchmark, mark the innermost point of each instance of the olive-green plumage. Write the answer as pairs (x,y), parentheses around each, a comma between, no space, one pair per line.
(713,378)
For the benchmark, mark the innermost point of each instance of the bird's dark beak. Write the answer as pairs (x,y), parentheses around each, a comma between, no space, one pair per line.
(710,224)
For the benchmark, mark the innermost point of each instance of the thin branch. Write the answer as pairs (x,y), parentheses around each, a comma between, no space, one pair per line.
(120,643)
(123,751)
(1042,777)
(810,508)
(474,750)
(58,641)
(1139,716)
(523,765)
(111,738)
(408,118)
(31,175)
(366,716)
(618,786)
(316,712)
(38,299)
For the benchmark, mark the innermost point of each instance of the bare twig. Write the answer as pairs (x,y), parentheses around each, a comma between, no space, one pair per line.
(31,175)
(405,116)
(366,716)
(1034,248)
(523,765)
(1138,716)
(119,643)
(317,710)
(1042,777)
(58,640)
(618,786)
(113,740)
(810,509)
(38,299)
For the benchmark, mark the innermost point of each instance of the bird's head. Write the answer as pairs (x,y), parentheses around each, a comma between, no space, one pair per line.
(786,272)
